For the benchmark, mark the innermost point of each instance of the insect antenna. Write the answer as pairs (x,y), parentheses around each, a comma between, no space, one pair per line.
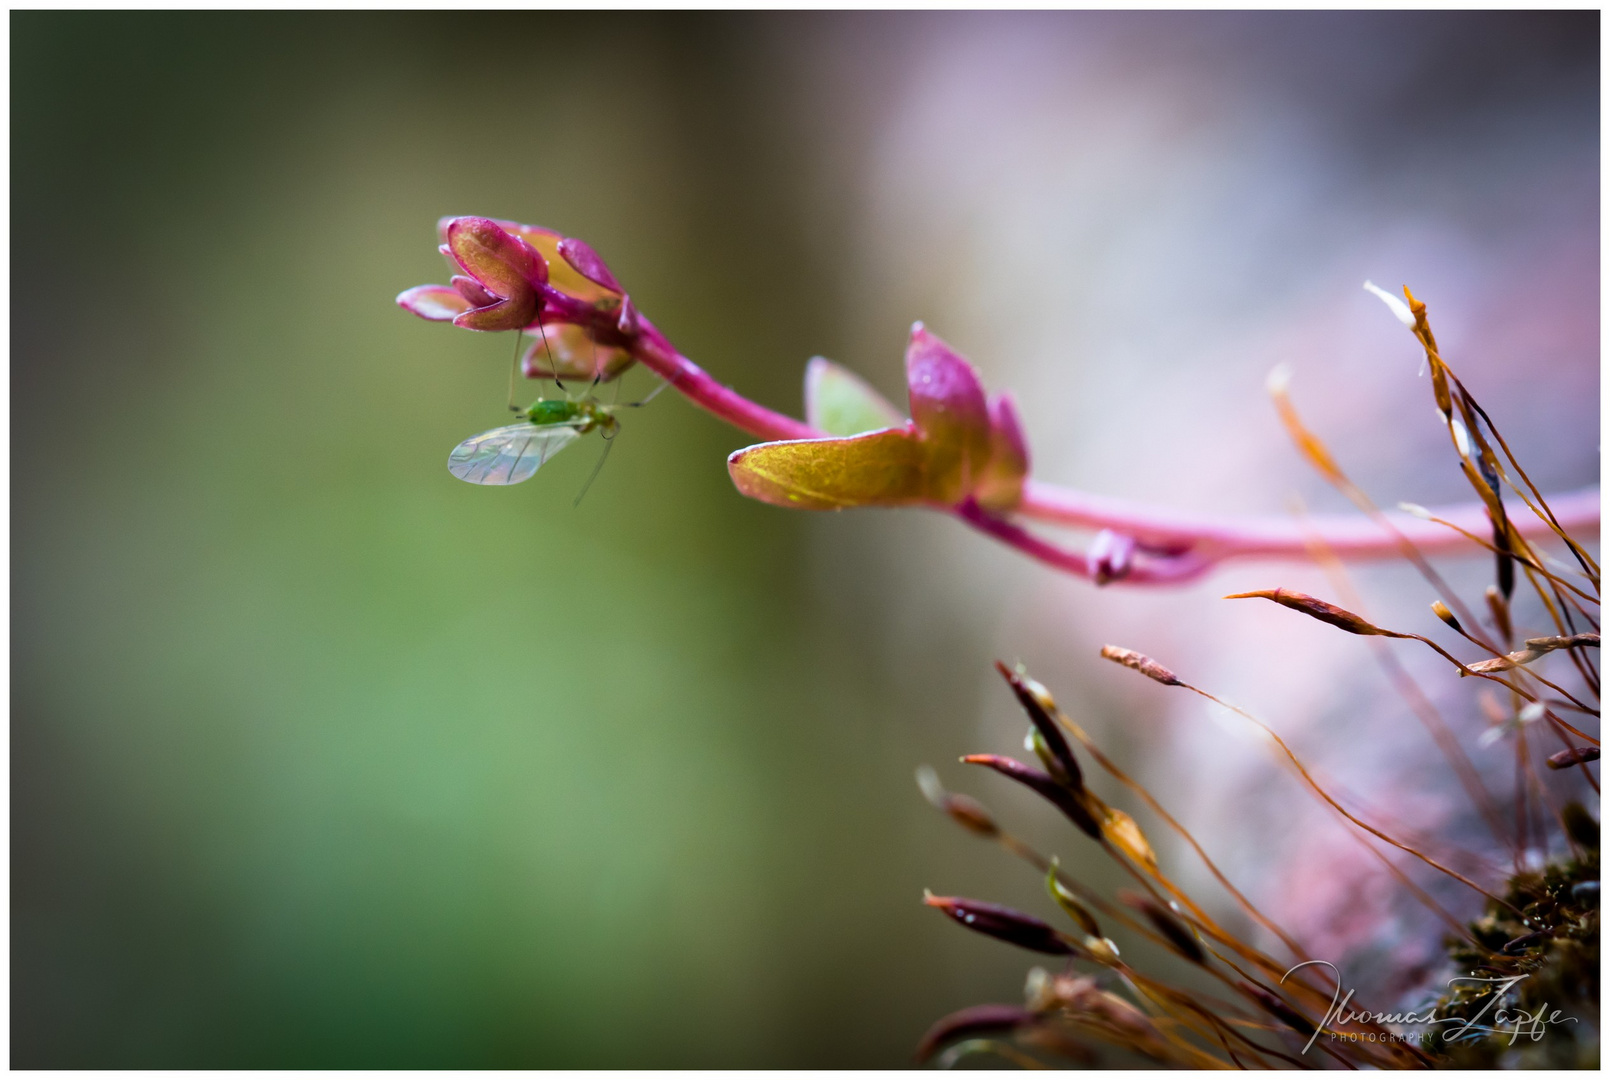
(609,441)
(553,367)
(514,363)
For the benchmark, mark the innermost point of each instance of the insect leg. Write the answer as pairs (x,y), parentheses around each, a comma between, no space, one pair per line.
(597,374)
(609,441)
(652,394)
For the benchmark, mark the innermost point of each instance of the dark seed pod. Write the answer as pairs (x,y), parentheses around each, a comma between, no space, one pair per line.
(1001,922)
(974,1020)
(1586,893)
(1276,1007)
(1036,701)
(1524,942)
(1442,611)
(1506,561)
(1062,798)
(1167,925)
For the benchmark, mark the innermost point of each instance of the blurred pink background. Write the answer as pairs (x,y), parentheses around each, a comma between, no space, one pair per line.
(1129,220)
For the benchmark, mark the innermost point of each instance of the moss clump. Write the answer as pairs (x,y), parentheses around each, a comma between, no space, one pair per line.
(1554,945)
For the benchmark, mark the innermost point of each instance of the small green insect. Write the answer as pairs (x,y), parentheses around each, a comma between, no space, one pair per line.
(513,453)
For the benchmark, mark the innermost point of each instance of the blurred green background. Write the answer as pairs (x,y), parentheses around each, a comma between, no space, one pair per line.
(323,759)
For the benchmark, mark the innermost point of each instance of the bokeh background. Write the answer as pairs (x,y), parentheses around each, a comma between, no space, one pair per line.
(321,758)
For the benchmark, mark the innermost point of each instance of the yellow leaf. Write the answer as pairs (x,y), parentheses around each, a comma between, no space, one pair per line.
(879,468)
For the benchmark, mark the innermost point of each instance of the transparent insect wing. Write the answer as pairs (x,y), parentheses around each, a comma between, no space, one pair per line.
(509,455)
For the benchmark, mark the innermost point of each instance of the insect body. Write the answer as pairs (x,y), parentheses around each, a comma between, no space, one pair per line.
(511,454)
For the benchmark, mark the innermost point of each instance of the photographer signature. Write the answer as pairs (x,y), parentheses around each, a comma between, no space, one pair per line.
(1516,1023)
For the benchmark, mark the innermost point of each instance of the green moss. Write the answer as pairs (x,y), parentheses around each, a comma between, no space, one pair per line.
(1555,942)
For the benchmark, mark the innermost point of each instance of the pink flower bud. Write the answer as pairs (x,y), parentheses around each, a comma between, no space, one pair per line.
(951,412)
(1001,486)
(437,303)
(585,261)
(1112,556)
(503,266)
(470,289)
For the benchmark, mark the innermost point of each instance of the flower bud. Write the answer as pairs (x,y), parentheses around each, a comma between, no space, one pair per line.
(951,412)
(505,267)
(585,261)
(1001,922)
(1112,555)
(438,303)
(471,290)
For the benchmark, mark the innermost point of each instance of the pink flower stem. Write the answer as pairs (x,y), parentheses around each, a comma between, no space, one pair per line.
(1350,536)
(694,383)
(1174,547)
(1168,570)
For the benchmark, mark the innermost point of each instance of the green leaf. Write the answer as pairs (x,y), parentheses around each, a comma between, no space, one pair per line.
(878,468)
(840,402)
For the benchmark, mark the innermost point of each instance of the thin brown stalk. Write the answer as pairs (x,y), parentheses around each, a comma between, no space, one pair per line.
(1525,558)
(1320,457)
(1589,566)
(1583,666)
(1157,808)
(1044,865)
(1323,794)
(1420,704)
(1441,372)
